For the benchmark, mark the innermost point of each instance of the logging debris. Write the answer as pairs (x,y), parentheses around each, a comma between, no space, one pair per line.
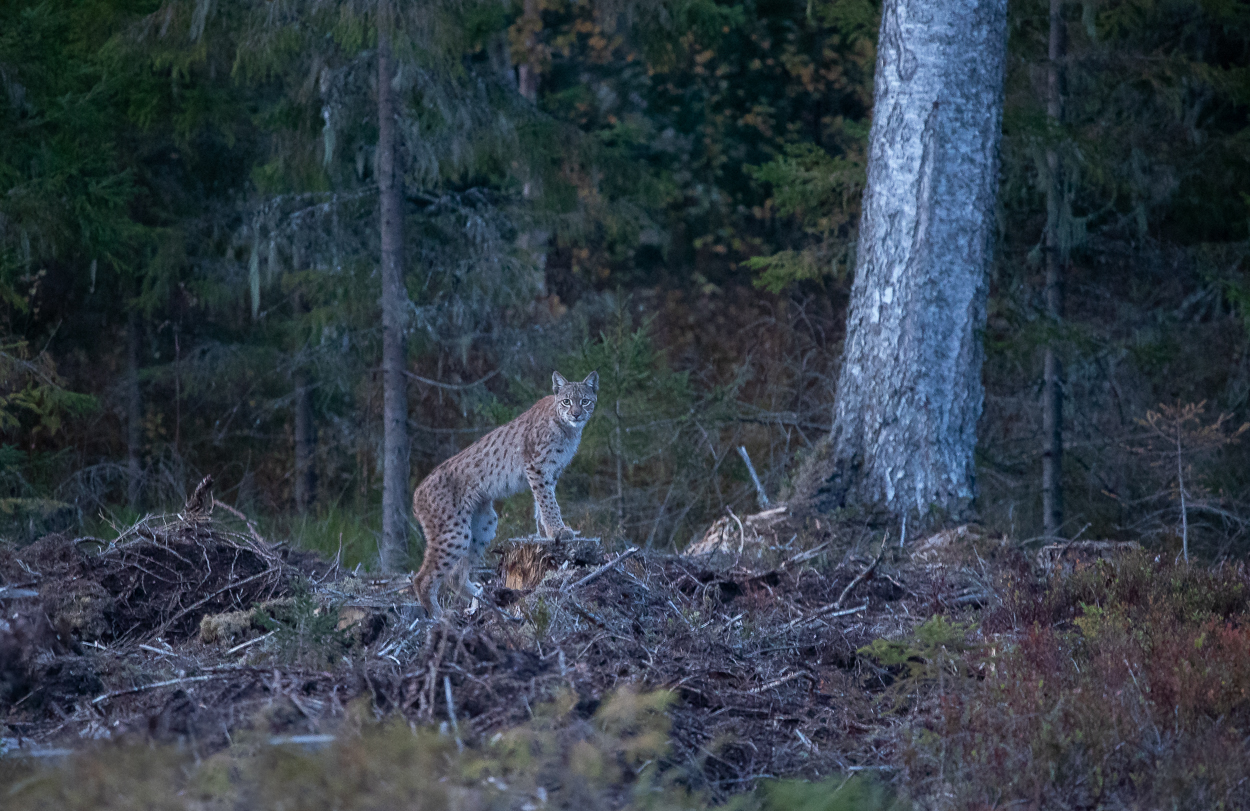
(186,628)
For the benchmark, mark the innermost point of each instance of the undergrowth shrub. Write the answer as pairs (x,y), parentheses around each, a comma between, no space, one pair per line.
(1126,684)
(305,633)
(932,651)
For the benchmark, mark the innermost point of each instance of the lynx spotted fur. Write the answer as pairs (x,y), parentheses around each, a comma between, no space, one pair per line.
(455,503)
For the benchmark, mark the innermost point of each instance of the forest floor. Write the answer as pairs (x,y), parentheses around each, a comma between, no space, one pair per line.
(799,658)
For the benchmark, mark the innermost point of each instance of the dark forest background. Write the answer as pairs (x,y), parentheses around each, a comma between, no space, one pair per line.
(663,190)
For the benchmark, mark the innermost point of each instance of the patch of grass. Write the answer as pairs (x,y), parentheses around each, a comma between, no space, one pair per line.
(859,792)
(324,531)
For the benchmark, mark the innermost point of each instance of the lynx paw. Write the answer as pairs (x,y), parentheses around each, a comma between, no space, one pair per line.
(564,534)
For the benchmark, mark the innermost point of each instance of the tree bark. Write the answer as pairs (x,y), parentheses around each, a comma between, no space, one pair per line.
(134,413)
(909,392)
(1052,393)
(393,546)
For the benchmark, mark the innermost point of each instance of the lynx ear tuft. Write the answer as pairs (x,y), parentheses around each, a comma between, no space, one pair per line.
(557,382)
(592,380)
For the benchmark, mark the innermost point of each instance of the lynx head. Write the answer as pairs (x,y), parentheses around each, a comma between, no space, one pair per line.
(575,402)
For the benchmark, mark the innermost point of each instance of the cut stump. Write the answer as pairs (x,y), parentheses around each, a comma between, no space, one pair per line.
(525,561)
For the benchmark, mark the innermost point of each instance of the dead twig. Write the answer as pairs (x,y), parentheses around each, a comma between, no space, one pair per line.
(633,550)
(755,479)
(451,712)
(798,674)
(828,612)
(862,575)
(251,528)
(742,533)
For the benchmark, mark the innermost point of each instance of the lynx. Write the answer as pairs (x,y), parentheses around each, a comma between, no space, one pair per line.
(454,505)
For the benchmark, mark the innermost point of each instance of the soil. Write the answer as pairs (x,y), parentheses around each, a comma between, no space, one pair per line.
(759,647)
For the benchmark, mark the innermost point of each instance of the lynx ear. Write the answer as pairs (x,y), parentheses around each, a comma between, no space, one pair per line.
(557,382)
(592,380)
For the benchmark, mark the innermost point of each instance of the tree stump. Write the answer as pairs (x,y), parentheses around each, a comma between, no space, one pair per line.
(525,561)
(1067,557)
(732,535)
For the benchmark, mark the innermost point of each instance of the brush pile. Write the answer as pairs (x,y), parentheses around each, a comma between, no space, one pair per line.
(186,628)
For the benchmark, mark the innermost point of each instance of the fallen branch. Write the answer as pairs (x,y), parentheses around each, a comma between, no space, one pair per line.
(828,612)
(250,643)
(161,651)
(862,575)
(154,685)
(806,555)
(798,674)
(633,550)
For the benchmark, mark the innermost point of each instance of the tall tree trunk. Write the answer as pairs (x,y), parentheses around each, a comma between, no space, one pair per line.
(1052,395)
(909,391)
(134,413)
(393,547)
(305,444)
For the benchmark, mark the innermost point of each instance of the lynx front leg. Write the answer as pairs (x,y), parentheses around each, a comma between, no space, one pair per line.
(485,522)
(544,487)
(482,528)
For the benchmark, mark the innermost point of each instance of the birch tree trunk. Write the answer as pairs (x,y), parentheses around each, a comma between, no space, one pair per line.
(393,546)
(909,391)
(1052,393)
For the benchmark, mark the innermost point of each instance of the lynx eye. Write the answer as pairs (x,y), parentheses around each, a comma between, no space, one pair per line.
(566,402)
(585,402)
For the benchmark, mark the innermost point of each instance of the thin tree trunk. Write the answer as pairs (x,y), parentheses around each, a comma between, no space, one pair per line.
(1052,395)
(1180,485)
(909,391)
(620,470)
(393,547)
(305,444)
(134,413)
(527,70)
(305,428)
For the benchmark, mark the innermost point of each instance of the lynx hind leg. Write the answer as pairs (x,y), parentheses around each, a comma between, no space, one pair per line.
(444,552)
(447,541)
